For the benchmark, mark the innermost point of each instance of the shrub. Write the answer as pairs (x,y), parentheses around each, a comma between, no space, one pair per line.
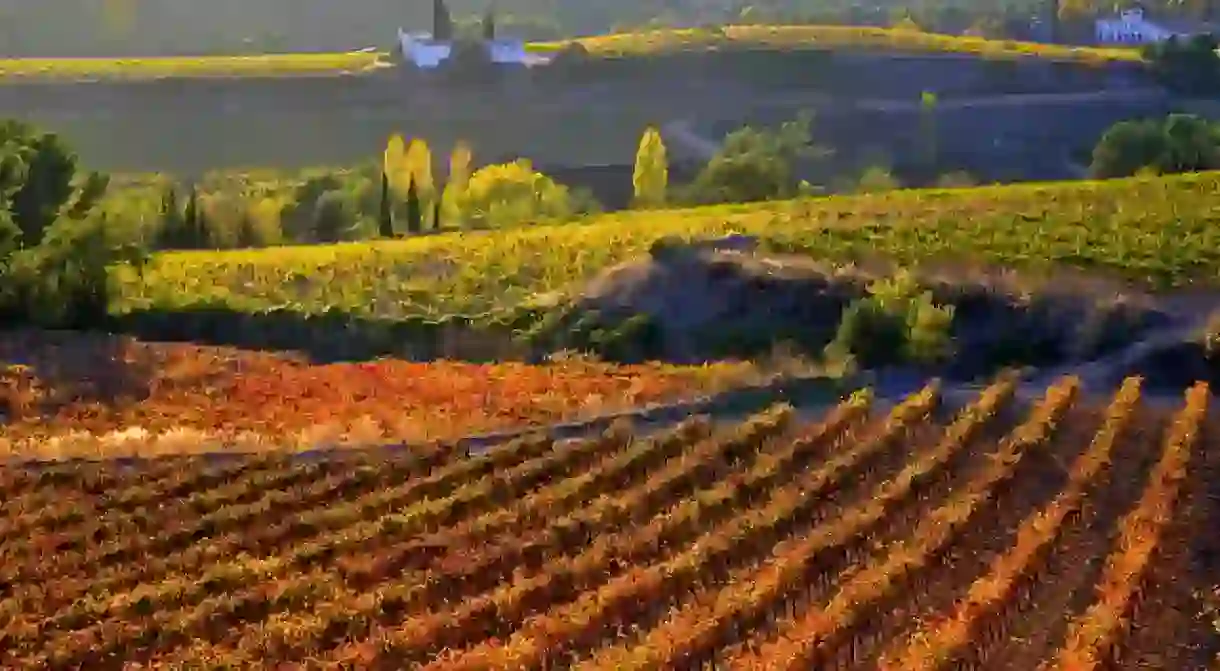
(511,193)
(895,323)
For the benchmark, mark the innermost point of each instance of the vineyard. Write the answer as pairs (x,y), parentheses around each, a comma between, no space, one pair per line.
(1061,534)
(78,396)
(605,46)
(1158,231)
(836,37)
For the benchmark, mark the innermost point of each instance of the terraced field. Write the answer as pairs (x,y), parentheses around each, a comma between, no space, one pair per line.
(919,537)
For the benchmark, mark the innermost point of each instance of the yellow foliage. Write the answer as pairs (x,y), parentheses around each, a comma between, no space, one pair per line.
(418,165)
(832,37)
(1155,230)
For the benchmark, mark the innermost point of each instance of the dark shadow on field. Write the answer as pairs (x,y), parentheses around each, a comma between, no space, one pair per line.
(41,371)
(330,337)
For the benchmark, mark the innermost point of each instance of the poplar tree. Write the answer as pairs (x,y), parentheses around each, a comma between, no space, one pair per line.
(459,181)
(651,175)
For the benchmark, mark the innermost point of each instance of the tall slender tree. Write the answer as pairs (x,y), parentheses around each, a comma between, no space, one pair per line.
(415,214)
(650,178)
(385,213)
(442,22)
(489,24)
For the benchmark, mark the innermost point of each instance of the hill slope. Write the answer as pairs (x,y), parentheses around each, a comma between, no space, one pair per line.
(911,540)
(1160,232)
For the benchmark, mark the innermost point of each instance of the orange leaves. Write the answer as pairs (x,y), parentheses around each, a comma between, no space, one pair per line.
(224,393)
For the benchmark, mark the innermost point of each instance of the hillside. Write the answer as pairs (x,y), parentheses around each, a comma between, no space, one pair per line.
(168,27)
(1157,232)
(1065,534)
(623,45)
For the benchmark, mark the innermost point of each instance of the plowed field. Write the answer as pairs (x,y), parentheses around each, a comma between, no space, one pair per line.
(1062,535)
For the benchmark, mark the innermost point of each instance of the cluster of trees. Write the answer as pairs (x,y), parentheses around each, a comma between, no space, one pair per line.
(1178,143)
(406,194)
(410,191)
(56,243)
(1188,66)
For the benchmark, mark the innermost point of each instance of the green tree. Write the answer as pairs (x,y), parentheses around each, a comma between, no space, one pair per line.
(171,233)
(247,234)
(1179,143)
(1189,66)
(650,178)
(415,214)
(39,181)
(385,209)
(442,21)
(876,179)
(333,218)
(56,247)
(489,24)
(195,223)
(755,165)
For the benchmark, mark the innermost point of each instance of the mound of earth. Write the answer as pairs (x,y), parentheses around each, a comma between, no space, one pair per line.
(728,297)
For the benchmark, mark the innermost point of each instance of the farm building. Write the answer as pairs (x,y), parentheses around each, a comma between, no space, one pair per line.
(429,50)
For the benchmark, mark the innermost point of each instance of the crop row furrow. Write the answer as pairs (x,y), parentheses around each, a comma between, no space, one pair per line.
(813,639)
(581,624)
(353,530)
(102,546)
(964,638)
(596,524)
(692,634)
(126,492)
(328,590)
(1095,638)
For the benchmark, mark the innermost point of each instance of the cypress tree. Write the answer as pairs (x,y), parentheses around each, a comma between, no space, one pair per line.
(385,214)
(489,25)
(247,238)
(415,215)
(442,23)
(170,235)
(436,214)
(190,221)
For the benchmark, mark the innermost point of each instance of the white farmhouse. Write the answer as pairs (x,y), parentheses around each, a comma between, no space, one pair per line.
(425,52)
(1133,27)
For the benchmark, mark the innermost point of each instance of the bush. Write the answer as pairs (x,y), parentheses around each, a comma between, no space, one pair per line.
(511,193)
(896,323)
(1179,143)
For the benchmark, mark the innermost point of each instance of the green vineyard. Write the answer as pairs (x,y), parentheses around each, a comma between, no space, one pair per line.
(1056,532)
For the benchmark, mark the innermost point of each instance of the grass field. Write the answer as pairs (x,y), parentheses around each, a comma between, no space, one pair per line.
(77,396)
(867,539)
(1158,231)
(619,45)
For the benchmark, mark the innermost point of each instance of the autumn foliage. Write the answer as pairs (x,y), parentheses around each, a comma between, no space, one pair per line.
(1057,534)
(82,396)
